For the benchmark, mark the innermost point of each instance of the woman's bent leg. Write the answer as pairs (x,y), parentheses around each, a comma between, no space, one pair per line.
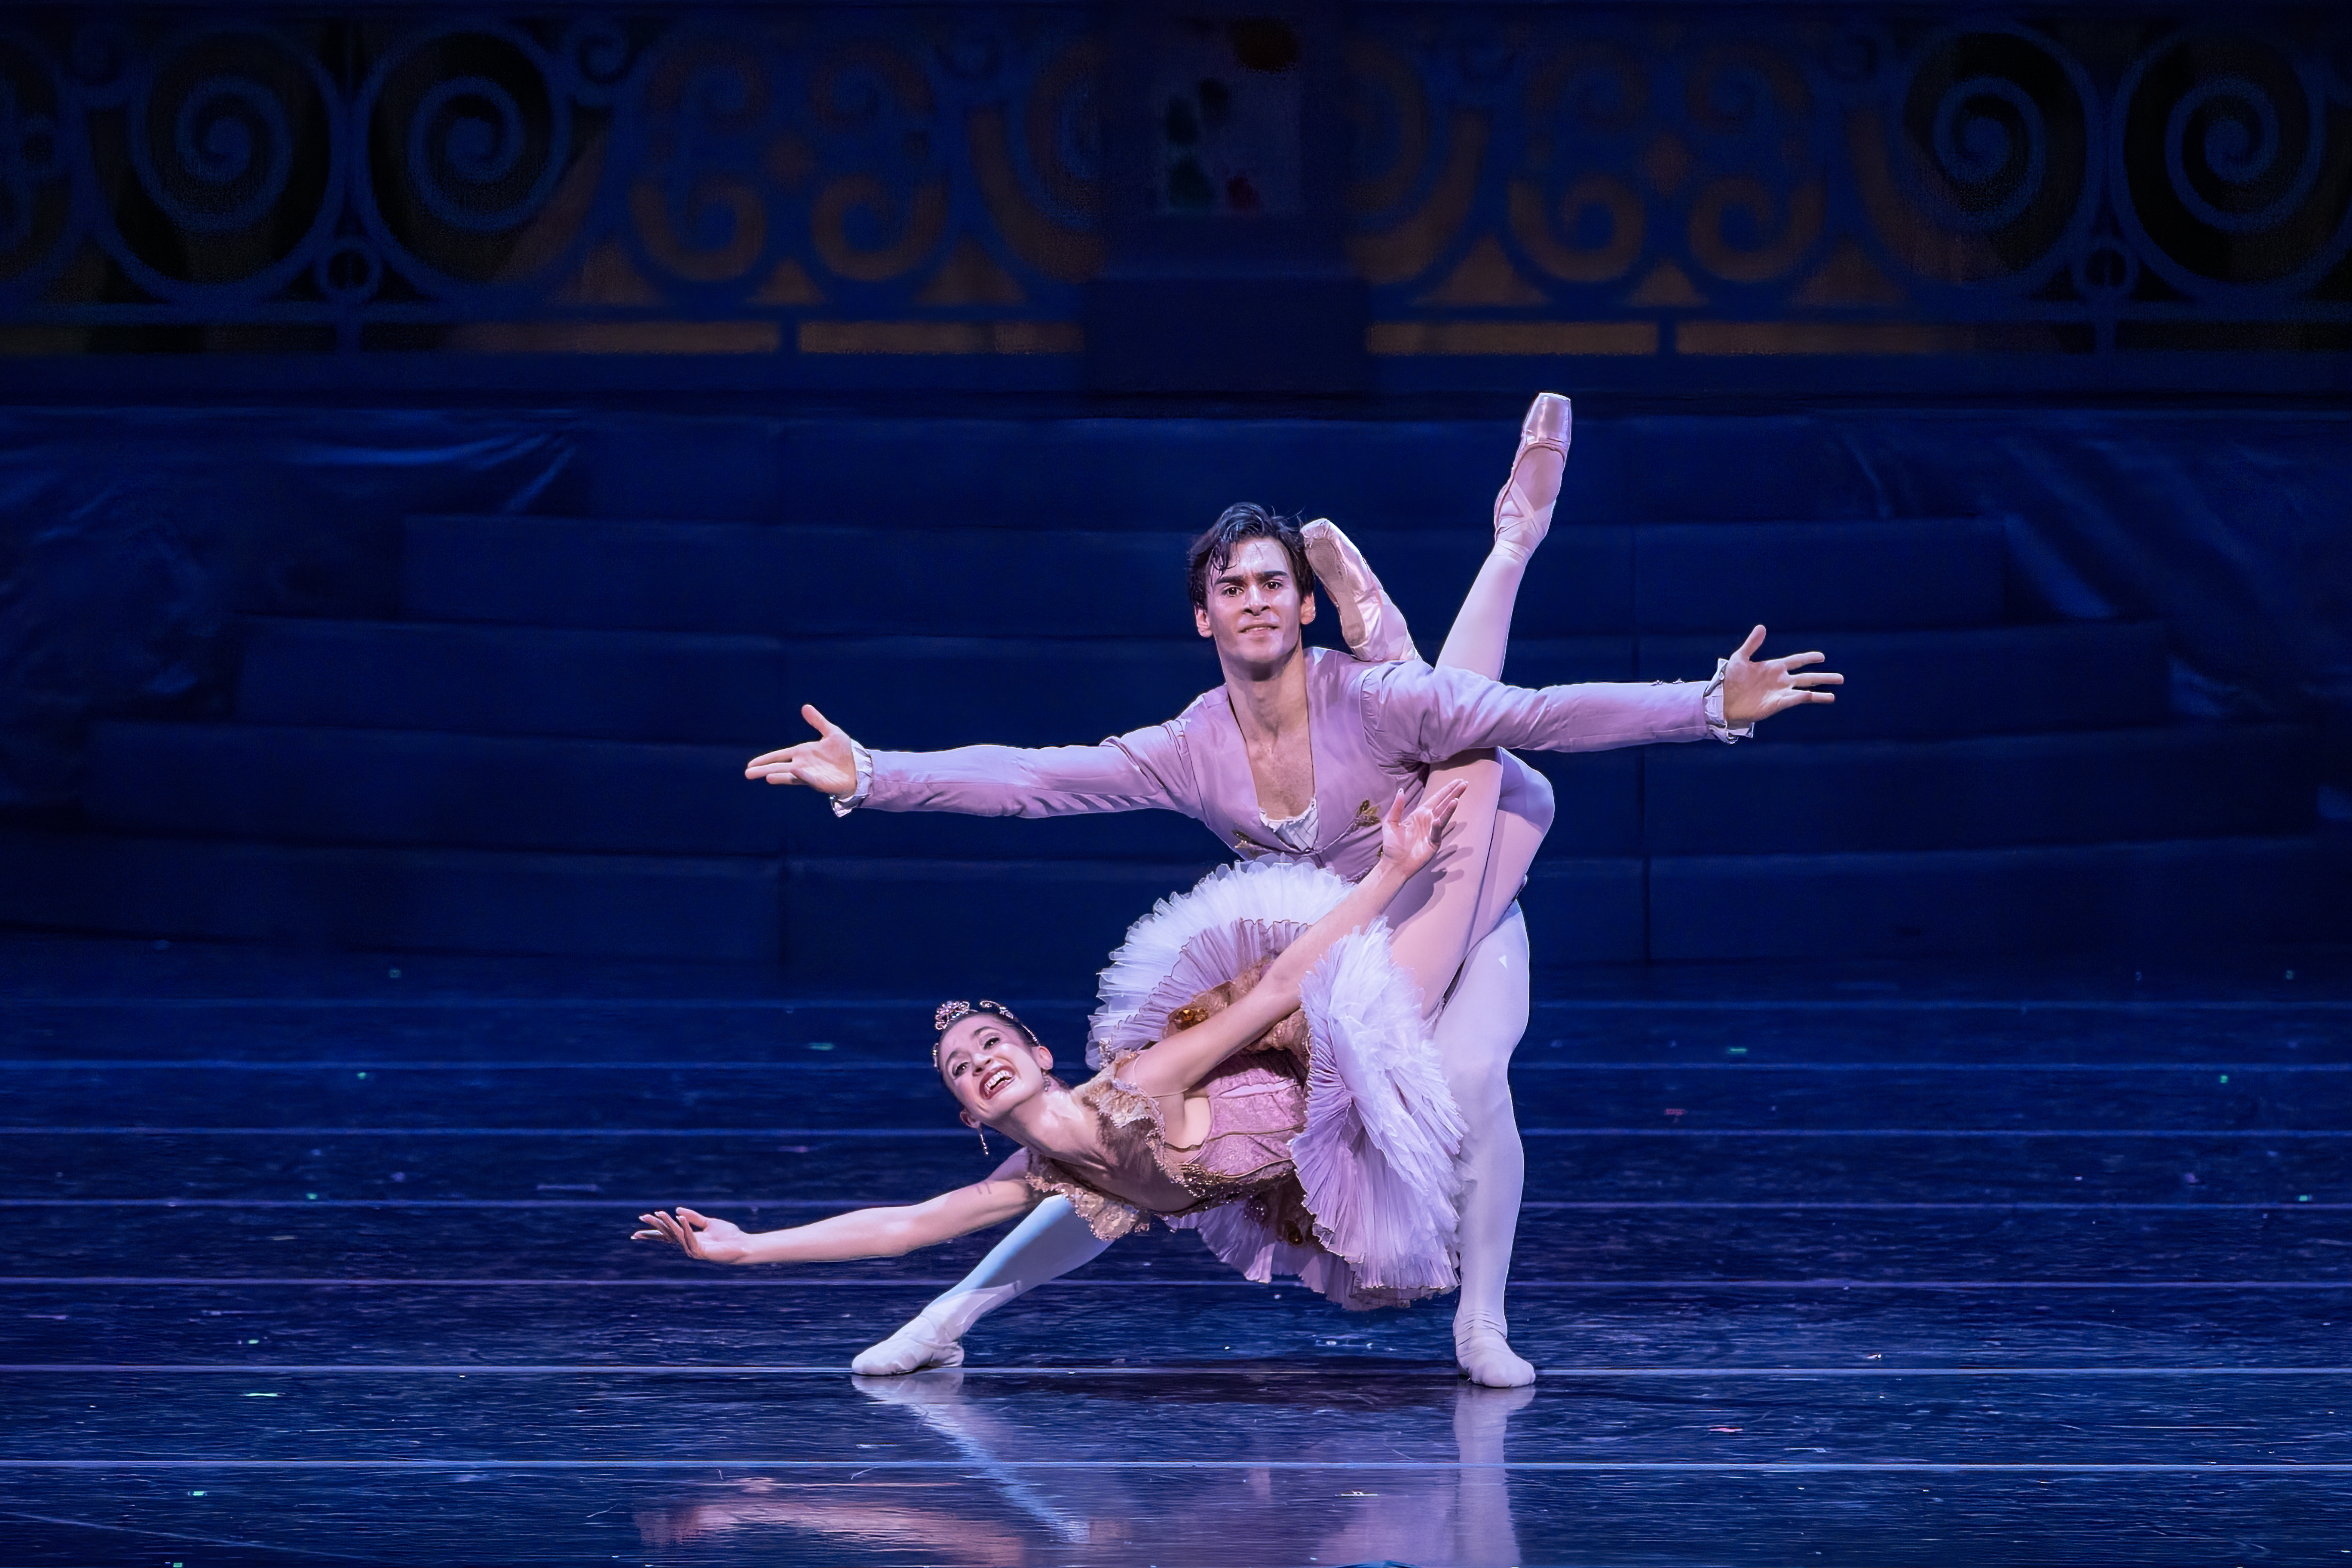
(1047,1245)
(1434,918)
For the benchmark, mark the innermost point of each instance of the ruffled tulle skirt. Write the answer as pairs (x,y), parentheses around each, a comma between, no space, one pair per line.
(1370,1216)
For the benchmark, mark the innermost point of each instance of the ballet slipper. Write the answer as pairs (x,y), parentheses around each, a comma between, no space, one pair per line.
(914,1348)
(931,1337)
(1369,622)
(1485,1355)
(1523,506)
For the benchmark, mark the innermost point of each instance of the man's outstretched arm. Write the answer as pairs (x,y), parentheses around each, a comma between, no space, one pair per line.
(1426,714)
(1140,771)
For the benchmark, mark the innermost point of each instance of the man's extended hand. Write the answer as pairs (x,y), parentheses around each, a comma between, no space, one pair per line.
(828,763)
(1754,689)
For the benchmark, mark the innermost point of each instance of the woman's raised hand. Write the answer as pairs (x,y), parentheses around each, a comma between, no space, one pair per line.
(1407,838)
(713,1240)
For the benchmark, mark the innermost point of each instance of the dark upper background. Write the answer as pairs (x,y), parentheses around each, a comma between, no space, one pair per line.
(435,450)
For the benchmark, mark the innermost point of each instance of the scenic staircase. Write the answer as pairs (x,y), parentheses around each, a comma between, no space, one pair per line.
(543,751)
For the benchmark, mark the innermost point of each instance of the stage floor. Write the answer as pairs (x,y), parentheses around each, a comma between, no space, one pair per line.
(314,1261)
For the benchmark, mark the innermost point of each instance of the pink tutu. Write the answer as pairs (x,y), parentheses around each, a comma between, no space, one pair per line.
(1337,1169)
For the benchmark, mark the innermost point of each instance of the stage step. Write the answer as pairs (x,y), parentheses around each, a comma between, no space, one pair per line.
(2183,781)
(854,922)
(514,681)
(2071,1102)
(1718,579)
(1178,474)
(809,582)
(890,693)
(387,786)
(2090,1245)
(364,897)
(1170,474)
(747,690)
(970,582)
(2188,894)
(1573,1155)
(396,786)
(1901,685)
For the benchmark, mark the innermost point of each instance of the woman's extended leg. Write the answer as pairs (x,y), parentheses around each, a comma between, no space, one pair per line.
(1433,919)
(1047,1245)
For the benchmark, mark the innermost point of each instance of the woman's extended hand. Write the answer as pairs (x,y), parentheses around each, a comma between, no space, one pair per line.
(713,1240)
(1407,838)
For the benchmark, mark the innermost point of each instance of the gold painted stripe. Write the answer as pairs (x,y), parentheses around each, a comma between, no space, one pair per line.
(1824,337)
(1512,338)
(941,338)
(617,338)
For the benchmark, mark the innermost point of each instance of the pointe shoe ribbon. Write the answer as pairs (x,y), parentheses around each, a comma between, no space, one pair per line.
(1370,621)
(1523,506)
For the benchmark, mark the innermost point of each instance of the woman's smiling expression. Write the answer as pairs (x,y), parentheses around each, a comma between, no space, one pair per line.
(990,1066)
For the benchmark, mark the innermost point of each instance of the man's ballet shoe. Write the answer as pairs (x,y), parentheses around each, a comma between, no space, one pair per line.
(1369,622)
(912,1349)
(1486,1356)
(1523,506)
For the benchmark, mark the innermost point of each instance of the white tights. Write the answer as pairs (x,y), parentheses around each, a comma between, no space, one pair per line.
(1047,1245)
(1475,881)
(1475,1035)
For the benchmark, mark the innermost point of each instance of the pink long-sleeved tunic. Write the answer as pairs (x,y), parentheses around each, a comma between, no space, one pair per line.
(1374,727)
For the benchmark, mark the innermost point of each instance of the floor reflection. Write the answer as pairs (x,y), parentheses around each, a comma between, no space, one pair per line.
(1000,1513)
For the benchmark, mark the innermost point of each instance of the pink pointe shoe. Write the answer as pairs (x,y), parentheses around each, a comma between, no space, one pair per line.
(1523,507)
(1372,626)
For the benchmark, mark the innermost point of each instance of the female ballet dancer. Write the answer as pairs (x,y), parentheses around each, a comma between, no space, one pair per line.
(1269,1081)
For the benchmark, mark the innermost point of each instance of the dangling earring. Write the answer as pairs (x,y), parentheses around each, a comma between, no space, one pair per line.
(985,1152)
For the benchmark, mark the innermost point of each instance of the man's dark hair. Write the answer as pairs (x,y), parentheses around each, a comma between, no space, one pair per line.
(1213,550)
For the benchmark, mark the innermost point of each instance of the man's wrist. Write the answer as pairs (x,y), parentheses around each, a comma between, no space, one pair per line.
(861,784)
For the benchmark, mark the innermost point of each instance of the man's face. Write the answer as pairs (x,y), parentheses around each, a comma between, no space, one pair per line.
(1256,605)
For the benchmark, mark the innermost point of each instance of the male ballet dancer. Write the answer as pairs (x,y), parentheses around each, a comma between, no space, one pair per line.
(1240,760)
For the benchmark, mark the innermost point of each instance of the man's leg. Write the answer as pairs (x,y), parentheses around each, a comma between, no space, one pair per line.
(1485,1010)
(1047,1245)
(1476,1035)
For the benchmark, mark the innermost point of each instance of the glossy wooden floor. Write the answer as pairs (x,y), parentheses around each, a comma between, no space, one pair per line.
(309,1262)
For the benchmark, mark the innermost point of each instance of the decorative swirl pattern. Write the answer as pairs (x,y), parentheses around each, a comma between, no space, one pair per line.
(597,55)
(2221,151)
(1990,176)
(1993,145)
(470,132)
(232,135)
(32,161)
(217,159)
(1887,178)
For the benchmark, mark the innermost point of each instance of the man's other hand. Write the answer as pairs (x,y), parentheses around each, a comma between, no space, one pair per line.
(828,763)
(1754,689)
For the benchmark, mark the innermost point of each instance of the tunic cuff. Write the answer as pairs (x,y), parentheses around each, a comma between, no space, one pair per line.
(1716,725)
(842,804)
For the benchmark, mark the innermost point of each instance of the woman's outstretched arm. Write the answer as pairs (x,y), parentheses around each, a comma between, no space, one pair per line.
(861,1233)
(1408,839)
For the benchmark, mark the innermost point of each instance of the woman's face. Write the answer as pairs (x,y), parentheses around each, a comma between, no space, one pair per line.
(990,1068)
